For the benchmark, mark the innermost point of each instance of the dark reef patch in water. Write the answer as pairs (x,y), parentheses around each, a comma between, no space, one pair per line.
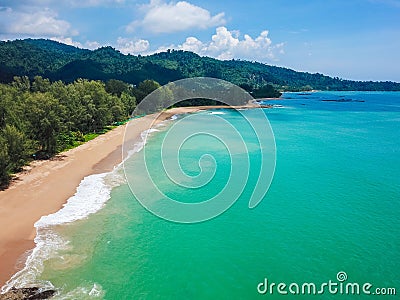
(342,100)
(31,293)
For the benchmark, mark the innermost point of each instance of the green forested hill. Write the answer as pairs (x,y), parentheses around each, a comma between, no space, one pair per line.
(54,96)
(57,61)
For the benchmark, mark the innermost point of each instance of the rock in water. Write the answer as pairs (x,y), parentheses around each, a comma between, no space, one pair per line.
(33,293)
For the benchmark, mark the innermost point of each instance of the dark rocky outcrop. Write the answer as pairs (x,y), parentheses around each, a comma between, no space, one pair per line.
(32,293)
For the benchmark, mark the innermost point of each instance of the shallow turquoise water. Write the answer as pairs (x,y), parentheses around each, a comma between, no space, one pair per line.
(333,206)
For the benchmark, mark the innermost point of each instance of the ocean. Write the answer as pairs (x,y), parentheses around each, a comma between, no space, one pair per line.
(329,218)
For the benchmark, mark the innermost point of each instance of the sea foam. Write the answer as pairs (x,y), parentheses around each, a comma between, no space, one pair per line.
(217,113)
(91,195)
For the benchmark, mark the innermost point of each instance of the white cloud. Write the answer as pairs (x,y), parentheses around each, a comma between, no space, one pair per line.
(162,17)
(225,44)
(193,44)
(93,3)
(39,22)
(69,41)
(59,3)
(127,46)
(92,45)
(43,23)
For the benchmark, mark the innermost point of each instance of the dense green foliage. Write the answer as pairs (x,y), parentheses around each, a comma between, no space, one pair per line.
(45,107)
(61,62)
(40,118)
(265,92)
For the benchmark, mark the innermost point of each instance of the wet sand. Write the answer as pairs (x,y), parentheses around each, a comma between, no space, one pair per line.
(44,186)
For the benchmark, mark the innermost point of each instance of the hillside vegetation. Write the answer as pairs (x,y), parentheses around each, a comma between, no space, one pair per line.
(57,61)
(54,96)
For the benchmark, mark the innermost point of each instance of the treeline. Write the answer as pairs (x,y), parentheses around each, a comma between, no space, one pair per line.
(58,61)
(40,118)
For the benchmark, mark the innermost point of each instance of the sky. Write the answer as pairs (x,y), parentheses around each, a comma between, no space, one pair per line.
(350,39)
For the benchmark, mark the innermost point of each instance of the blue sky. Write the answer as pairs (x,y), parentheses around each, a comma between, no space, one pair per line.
(353,39)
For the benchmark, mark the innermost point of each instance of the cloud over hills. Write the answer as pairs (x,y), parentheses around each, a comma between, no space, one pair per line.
(37,22)
(163,17)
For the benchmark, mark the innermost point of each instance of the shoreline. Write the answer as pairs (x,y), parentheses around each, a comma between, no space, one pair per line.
(45,186)
(43,190)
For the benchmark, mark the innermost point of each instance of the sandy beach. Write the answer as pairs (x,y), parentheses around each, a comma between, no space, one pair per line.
(44,186)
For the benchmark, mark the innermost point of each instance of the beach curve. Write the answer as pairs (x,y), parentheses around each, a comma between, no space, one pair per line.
(45,186)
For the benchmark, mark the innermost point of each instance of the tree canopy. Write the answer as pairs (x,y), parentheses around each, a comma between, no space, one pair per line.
(41,118)
(46,106)
(57,61)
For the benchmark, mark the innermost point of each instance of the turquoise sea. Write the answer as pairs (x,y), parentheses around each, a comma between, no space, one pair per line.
(332,208)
